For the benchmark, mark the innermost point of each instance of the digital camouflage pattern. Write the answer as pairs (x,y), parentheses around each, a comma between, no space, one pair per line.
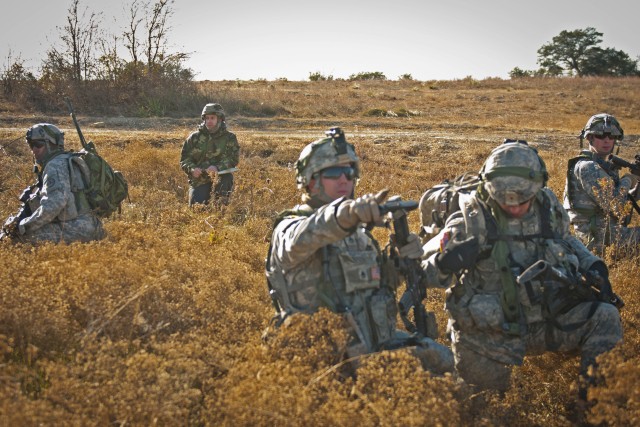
(324,153)
(487,338)
(203,149)
(602,123)
(61,212)
(46,132)
(590,203)
(316,263)
(509,184)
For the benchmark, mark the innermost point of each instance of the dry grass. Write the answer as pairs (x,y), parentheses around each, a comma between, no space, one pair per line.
(160,323)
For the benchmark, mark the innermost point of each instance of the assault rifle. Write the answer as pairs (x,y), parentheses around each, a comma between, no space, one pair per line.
(618,162)
(588,284)
(634,168)
(415,292)
(10,227)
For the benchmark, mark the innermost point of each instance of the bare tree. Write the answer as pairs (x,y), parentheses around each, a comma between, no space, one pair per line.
(131,36)
(79,36)
(157,29)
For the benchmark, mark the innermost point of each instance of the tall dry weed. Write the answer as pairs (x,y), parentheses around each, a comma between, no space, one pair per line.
(160,323)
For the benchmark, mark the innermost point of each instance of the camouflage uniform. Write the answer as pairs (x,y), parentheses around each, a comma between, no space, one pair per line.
(495,321)
(203,149)
(589,203)
(60,212)
(314,262)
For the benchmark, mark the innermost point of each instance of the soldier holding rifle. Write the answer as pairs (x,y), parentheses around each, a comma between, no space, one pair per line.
(594,190)
(55,208)
(498,314)
(322,255)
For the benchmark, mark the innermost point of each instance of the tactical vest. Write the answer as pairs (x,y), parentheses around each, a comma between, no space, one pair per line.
(542,302)
(355,283)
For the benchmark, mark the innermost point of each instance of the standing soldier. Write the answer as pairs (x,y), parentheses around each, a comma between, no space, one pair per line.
(209,152)
(55,208)
(594,188)
(322,255)
(500,309)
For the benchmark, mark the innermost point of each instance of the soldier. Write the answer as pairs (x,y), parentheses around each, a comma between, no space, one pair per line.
(57,206)
(209,152)
(498,314)
(594,187)
(321,255)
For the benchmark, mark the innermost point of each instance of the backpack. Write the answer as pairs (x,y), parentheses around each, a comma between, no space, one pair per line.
(441,200)
(104,188)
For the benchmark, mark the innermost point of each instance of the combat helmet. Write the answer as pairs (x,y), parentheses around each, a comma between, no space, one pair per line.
(46,132)
(330,151)
(213,109)
(600,124)
(513,173)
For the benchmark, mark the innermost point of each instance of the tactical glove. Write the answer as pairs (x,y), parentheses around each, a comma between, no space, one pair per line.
(413,248)
(458,255)
(629,180)
(364,209)
(599,274)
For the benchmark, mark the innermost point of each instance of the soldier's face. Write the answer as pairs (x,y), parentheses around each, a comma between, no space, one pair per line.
(335,187)
(39,150)
(516,211)
(602,144)
(210,121)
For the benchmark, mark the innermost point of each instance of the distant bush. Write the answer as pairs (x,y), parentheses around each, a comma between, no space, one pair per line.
(368,75)
(317,76)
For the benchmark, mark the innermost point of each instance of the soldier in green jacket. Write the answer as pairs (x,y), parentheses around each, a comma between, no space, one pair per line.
(210,154)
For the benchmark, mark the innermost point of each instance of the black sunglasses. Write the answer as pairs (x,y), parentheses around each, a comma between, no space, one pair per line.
(37,143)
(336,172)
(605,135)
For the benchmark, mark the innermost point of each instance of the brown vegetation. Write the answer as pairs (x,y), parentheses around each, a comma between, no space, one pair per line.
(160,323)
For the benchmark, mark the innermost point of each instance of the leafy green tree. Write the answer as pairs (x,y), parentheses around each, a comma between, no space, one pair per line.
(577,53)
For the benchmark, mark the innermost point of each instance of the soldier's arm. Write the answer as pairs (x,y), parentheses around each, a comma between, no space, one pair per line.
(231,155)
(590,176)
(585,257)
(434,277)
(187,163)
(55,194)
(298,238)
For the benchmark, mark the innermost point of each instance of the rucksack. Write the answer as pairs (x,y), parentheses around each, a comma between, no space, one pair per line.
(441,200)
(104,188)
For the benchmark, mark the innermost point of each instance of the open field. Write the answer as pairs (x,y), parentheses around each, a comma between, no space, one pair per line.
(160,323)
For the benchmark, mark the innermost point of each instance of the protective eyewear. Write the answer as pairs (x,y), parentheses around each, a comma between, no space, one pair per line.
(37,143)
(337,171)
(605,135)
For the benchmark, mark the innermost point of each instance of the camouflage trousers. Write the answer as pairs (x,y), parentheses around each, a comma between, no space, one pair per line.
(84,228)
(590,328)
(595,241)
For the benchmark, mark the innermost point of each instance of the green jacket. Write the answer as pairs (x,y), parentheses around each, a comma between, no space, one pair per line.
(203,149)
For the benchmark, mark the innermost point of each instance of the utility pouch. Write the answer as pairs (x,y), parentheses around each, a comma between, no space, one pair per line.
(383,312)
(360,269)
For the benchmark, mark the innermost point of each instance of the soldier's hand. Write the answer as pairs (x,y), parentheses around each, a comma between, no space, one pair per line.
(212,170)
(629,180)
(458,255)
(600,276)
(413,248)
(196,172)
(364,209)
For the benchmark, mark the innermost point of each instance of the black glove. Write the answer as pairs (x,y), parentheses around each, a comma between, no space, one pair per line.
(598,274)
(458,255)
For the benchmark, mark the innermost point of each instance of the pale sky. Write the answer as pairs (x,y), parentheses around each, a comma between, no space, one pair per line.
(253,39)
